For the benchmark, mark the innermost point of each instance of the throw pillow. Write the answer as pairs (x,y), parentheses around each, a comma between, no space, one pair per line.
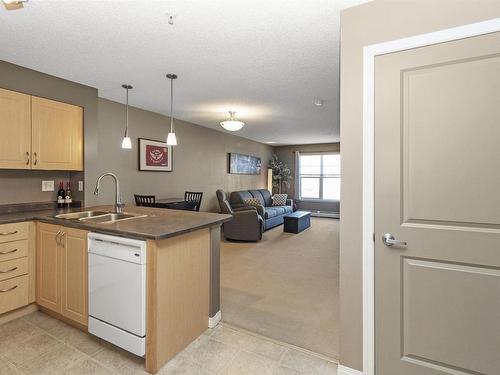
(279,199)
(252,202)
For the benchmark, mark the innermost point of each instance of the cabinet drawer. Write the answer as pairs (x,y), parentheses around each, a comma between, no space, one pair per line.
(13,293)
(13,268)
(13,232)
(13,250)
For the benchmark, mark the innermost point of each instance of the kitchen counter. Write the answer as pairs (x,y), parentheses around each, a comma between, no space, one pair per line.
(182,268)
(158,224)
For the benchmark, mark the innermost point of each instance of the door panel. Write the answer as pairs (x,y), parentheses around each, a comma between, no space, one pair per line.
(437,128)
(74,275)
(48,267)
(57,140)
(15,130)
(437,100)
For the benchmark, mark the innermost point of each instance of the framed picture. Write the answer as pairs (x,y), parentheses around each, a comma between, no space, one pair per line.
(155,156)
(244,164)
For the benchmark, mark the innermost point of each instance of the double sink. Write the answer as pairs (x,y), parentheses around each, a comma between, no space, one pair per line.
(99,217)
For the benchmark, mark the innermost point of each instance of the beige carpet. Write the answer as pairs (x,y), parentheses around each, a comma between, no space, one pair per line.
(286,286)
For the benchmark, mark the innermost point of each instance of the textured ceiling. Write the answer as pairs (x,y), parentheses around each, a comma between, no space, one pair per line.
(266,59)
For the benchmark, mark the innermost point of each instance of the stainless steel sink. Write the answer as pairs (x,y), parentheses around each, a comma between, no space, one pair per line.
(111,217)
(80,215)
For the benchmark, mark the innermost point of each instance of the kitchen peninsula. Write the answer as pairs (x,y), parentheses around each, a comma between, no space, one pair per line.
(182,269)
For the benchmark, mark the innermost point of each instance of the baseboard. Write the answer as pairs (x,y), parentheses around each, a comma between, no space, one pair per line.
(330,214)
(11,315)
(342,370)
(214,320)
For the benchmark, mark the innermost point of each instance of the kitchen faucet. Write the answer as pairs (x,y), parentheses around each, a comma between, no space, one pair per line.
(118,199)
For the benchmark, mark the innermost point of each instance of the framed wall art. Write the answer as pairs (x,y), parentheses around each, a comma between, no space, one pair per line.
(155,156)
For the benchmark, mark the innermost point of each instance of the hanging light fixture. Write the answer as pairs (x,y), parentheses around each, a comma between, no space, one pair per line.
(126,143)
(232,124)
(171,138)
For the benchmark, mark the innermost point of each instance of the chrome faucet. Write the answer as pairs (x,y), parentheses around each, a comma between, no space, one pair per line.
(118,199)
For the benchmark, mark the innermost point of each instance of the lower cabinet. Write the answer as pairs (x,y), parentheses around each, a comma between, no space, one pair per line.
(62,271)
(17,265)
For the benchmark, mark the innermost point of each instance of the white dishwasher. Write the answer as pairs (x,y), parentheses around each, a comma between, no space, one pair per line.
(117,291)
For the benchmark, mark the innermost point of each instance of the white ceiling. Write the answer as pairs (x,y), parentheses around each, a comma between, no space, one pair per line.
(266,59)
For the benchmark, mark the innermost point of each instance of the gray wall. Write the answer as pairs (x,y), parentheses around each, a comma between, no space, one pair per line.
(286,154)
(371,23)
(17,78)
(200,158)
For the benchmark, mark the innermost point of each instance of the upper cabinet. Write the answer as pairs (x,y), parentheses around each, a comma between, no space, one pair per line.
(38,133)
(15,130)
(57,135)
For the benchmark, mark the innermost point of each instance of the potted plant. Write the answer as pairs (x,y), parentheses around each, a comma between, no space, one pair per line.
(281,174)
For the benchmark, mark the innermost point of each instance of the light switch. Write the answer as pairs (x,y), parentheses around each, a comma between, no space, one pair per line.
(80,185)
(47,185)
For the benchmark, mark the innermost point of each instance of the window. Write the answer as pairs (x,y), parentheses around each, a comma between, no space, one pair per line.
(320,176)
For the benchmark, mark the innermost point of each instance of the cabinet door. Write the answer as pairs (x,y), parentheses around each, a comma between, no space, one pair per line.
(74,274)
(57,135)
(48,267)
(15,130)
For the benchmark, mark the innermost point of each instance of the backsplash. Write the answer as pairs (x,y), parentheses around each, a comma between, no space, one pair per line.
(25,186)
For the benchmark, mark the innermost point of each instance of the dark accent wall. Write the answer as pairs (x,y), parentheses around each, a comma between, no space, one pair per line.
(287,155)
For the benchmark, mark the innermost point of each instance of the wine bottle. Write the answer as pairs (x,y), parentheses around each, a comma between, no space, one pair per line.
(61,195)
(68,197)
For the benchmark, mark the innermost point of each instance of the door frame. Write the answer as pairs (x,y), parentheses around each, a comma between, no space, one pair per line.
(368,199)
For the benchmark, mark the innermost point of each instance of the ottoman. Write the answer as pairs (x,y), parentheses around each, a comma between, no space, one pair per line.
(296,222)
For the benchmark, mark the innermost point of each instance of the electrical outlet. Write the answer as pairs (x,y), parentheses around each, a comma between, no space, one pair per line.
(80,185)
(47,185)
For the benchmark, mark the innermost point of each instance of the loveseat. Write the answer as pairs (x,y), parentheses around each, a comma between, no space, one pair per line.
(272,215)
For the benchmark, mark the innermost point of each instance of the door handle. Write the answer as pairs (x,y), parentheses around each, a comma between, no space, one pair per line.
(8,290)
(8,252)
(27,158)
(57,237)
(389,240)
(8,233)
(62,242)
(9,270)
(35,157)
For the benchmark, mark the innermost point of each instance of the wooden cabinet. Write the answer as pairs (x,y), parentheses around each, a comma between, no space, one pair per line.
(15,130)
(57,135)
(38,133)
(17,265)
(74,275)
(62,271)
(48,267)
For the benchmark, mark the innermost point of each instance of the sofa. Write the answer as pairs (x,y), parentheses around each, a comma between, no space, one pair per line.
(246,225)
(272,215)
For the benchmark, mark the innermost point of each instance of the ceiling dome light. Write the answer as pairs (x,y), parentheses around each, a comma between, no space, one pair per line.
(232,124)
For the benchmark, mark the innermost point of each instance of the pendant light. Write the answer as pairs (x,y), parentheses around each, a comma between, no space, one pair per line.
(232,124)
(171,138)
(126,143)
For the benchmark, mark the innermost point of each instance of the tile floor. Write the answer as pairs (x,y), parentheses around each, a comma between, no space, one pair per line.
(39,344)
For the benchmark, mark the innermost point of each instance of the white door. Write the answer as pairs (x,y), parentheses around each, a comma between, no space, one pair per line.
(437,188)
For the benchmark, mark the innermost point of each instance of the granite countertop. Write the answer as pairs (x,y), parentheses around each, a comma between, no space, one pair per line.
(158,223)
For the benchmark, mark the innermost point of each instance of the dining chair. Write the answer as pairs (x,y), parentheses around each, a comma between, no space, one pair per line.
(145,200)
(194,196)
